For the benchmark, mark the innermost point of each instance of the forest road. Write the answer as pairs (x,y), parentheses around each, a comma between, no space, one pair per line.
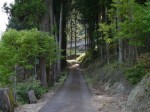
(74,96)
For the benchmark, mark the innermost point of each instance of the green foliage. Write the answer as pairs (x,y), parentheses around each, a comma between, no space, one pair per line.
(26,14)
(87,57)
(88,9)
(24,87)
(135,74)
(144,60)
(105,29)
(132,22)
(21,47)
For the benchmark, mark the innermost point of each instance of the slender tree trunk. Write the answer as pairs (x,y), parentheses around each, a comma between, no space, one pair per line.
(71,39)
(85,36)
(107,52)
(44,26)
(120,41)
(75,35)
(116,51)
(130,56)
(92,43)
(43,71)
(101,52)
(49,76)
(64,47)
(51,17)
(101,42)
(120,51)
(60,37)
(131,48)
(45,23)
(64,36)
(107,44)
(55,66)
(87,41)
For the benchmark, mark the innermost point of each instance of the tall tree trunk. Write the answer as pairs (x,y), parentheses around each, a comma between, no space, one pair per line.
(55,66)
(49,75)
(92,43)
(87,43)
(71,38)
(116,50)
(130,56)
(120,51)
(7,100)
(75,35)
(107,52)
(125,47)
(44,26)
(85,36)
(64,45)
(45,23)
(101,42)
(43,71)
(120,41)
(64,36)
(51,17)
(107,44)
(60,37)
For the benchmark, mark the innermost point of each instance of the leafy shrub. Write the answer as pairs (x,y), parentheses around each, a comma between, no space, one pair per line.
(144,60)
(15,49)
(30,84)
(134,74)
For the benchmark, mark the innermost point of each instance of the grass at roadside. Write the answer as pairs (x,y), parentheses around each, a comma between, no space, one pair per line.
(60,81)
(23,88)
(89,80)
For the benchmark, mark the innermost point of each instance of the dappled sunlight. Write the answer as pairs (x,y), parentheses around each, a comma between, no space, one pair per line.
(72,64)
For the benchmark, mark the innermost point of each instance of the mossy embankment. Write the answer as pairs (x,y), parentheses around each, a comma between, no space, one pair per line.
(139,98)
(109,77)
(118,79)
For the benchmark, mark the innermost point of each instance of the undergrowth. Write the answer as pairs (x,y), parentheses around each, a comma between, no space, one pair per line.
(33,84)
(60,81)
(24,87)
(133,74)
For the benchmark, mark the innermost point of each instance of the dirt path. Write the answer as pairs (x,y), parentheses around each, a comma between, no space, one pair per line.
(74,96)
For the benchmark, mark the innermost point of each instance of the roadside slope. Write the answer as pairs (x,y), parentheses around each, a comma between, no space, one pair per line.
(109,87)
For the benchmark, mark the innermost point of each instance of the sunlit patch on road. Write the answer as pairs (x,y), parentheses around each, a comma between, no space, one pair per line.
(72,64)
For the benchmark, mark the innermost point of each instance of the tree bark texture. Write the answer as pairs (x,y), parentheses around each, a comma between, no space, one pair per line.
(60,37)
(7,101)
(43,76)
